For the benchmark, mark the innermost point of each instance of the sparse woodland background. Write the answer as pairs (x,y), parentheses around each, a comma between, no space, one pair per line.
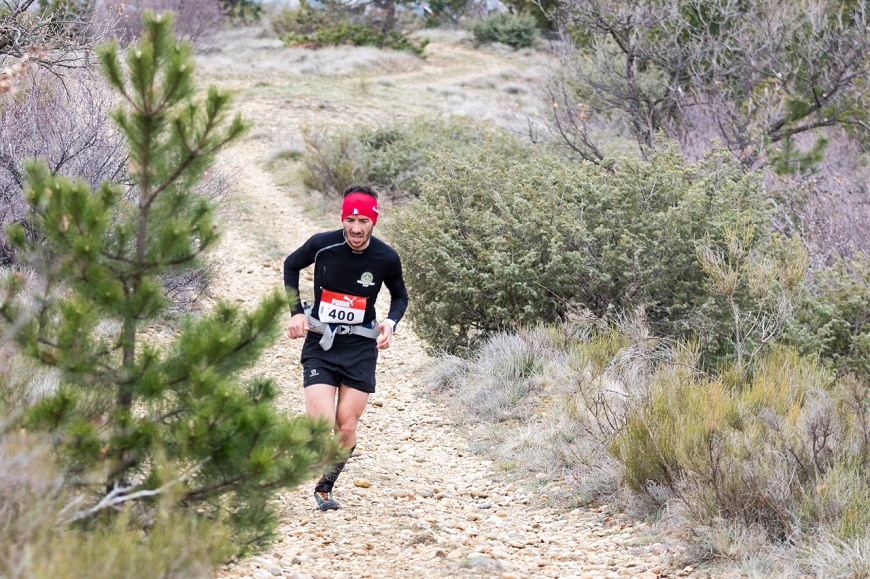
(658,290)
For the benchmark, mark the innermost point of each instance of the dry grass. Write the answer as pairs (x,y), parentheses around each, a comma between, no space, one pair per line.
(542,404)
(268,58)
(347,86)
(23,382)
(833,557)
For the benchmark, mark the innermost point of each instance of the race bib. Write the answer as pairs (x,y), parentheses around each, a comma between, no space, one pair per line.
(341,308)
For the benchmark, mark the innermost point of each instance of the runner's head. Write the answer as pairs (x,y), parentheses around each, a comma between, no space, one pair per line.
(359,214)
(360,200)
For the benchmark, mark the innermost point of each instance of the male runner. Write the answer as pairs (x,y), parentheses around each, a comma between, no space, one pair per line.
(342,334)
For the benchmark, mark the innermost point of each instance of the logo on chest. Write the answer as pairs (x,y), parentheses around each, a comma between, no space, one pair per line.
(366,279)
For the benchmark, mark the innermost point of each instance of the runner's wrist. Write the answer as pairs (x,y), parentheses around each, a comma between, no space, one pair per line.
(392,324)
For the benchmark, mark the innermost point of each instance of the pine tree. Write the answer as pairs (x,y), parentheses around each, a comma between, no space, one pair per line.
(126,406)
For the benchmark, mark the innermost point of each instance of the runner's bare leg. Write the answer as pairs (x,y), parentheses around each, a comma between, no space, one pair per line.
(351,405)
(320,401)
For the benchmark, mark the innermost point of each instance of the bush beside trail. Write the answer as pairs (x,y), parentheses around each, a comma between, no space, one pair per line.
(492,243)
(517,31)
(833,320)
(684,366)
(335,24)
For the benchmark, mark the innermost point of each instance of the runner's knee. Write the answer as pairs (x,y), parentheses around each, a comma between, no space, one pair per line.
(347,429)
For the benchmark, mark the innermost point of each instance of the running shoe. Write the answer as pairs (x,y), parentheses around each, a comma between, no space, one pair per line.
(325,501)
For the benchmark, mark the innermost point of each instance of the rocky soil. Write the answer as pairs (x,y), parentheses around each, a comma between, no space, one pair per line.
(416,502)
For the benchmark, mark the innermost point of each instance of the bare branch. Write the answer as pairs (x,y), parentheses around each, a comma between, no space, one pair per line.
(747,73)
(121,494)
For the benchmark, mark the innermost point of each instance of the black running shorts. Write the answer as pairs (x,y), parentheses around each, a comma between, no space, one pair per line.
(350,361)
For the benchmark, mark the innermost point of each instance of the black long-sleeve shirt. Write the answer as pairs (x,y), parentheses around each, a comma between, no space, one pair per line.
(341,270)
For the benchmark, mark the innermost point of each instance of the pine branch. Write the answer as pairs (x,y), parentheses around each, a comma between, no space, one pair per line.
(204,491)
(194,152)
(239,347)
(110,371)
(145,266)
(169,414)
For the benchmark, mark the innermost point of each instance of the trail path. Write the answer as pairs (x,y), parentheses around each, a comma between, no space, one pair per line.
(427,506)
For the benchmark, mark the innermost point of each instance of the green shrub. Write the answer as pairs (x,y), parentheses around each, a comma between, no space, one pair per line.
(306,19)
(495,242)
(488,244)
(356,35)
(758,285)
(333,26)
(834,319)
(286,20)
(518,31)
(543,11)
(446,12)
(399,157)
(395,158)
(244,11)
(332,161)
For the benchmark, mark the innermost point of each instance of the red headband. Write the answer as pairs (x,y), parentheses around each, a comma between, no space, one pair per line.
(360,204)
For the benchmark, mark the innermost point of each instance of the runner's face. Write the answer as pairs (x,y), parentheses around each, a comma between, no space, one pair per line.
(358,231)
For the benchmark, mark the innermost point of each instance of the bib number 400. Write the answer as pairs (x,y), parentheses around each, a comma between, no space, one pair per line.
(338,308)
(336,315)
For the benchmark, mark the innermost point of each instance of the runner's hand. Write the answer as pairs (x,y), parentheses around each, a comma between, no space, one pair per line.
(298,326)
(386,335)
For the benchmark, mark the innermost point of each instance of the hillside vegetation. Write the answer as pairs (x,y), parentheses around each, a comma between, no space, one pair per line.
(635,239)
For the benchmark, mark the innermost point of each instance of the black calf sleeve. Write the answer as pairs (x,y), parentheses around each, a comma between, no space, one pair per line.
(328,480)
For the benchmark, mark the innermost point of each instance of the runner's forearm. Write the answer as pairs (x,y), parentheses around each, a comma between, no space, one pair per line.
(398,296)
(291,286)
